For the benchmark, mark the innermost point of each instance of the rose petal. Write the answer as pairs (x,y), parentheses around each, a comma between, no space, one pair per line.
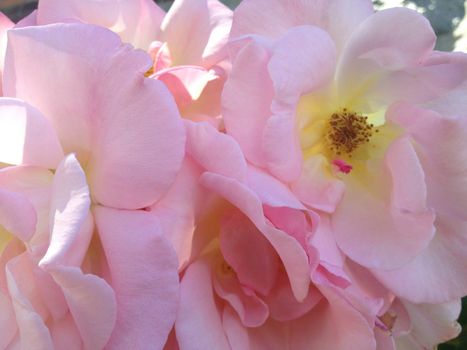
(287,247)
(247,251)
(424,279)
(215,151)
(386,228)
(84,295)
(143,270)
(26,137)
(71,231)
(249,83)
(338,17)
(137,22)
(132,123)
(196,31)
(202,329)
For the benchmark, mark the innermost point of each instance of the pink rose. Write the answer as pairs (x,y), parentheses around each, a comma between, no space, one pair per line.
(337,102)
(124,137)
(187,44)
(246,260)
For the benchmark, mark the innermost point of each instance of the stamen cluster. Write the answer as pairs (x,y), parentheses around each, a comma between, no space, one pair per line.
(348,131)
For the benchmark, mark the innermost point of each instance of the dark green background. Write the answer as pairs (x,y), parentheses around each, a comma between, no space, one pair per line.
(444,15)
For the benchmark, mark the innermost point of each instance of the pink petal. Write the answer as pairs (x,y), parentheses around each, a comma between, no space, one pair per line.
(140,148)
(136,21)
(439,140)
(5,24)
(288,248)
(26,137)
(178,216)
(282,304)
(434,324)
(293,68)
(376,46)
(383,227)
(215,151)
(317,187)
(126,117)
(452,103)
(330,256)
(236,333)
(65,335)
(27,78)
(251,309)
(85,294)
(302,60)
(201,329)
(71,230)
(32,329)
(271,191)
(440,74)
(17,215)
(196,31)
(272,335)
(8,327)
(35,184)
(281,147)
(333,324)
(384,340)
(247,251)
(338,17)
(424,279)
(186,83)
(143,270)
(249,83)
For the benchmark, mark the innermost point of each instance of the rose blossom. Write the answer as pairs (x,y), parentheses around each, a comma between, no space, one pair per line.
(365,124)
(187,44)
(246,263)
(334,103)
(123,135)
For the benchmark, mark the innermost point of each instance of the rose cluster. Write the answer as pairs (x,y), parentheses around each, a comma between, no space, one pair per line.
(290,175)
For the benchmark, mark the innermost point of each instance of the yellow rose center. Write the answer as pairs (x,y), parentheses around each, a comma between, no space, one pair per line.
(347,131)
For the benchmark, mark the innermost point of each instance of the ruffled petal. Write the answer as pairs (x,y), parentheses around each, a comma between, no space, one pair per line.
(215,151)
(425,279)
(69,210)
(137,22)
(131,123)
(26,137)
(338,17)
(84,295)
(388,223)
(247,251)
(5,24)
(196,31)
(143,271)
(202,329)
(375,47)
(440,141)
(247,99)
(332,324)
(287,247)
(316,186)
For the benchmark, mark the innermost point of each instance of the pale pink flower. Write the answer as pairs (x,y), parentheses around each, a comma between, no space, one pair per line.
(47,301)
(340,104)
(246,262)
(187,44)
(124,136)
